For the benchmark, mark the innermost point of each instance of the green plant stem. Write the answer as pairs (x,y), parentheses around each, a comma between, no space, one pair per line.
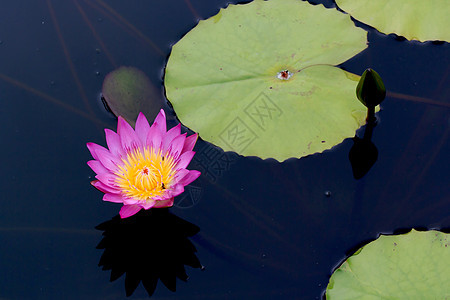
(371,119)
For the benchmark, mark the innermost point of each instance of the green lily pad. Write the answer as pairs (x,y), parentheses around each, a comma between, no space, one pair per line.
(414,19)
(259,78)
(408,266)
(128,91)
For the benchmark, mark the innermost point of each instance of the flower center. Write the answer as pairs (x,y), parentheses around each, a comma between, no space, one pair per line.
(145,174)
(145,171)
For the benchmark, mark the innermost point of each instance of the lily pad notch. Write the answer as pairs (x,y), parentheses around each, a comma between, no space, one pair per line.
(260,79)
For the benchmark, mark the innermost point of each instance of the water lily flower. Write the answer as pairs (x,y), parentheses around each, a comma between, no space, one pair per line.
(145,167)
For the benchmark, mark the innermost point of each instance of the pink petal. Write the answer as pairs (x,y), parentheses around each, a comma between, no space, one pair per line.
(148,204)
(191,176)
(107,179)
(166,194)
(154,137)
(174,190)
(128,137)
(97,167)
(189,143)
(170,135)
(177,189)
(104,188)
(185,159)
(117,198)
(174,149)
(160,121)
(130,201)
(107,159)
(142,127)
(128,210)
(113,141)
(180,174)
(164,203)
(93,149)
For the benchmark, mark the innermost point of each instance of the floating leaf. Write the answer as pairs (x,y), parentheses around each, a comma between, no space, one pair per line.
(409,266)
(414,19)
(258,78)
(128,91)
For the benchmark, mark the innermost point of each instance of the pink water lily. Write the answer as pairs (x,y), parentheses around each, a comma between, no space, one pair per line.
(145,167)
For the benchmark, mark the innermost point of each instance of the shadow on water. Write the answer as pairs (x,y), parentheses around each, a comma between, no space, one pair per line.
(363,153)
(305,221)
(150,246)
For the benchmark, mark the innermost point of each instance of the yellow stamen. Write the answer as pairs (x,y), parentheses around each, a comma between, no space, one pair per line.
(145,173)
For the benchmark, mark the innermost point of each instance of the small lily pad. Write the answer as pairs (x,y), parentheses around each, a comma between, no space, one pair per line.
(128,91)
(408,266)
(414,19)
(259,78)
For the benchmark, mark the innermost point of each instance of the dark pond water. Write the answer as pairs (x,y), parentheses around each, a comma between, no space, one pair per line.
(266,230)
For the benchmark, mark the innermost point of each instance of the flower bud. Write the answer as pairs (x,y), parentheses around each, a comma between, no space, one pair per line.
(370,90)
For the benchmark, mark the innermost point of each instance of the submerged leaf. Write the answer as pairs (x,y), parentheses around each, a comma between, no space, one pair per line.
(414,19)
(409,266)
(128,91)
(259,78)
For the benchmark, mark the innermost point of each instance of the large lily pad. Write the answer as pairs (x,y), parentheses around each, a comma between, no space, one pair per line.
(225,78)
(414,19)
(409,266)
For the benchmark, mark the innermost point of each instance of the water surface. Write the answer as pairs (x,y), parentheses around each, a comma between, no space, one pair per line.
(267,230)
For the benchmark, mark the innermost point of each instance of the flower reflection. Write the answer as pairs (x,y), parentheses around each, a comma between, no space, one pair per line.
(149,246)
(143,168)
